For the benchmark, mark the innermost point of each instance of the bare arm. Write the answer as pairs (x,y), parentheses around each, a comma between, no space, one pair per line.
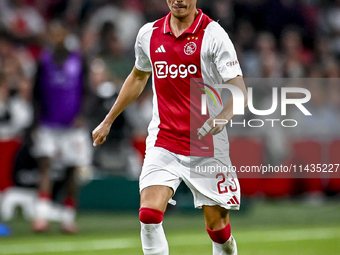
(132,88)
(227,112)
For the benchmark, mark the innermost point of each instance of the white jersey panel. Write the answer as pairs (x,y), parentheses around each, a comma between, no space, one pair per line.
(142,52)
(142,48)
(153,128)
(218,64)
(222,63)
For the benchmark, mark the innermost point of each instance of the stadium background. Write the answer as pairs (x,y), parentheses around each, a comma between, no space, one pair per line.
(273,38)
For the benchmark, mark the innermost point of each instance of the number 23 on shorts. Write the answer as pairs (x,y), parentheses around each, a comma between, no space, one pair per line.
(222,179)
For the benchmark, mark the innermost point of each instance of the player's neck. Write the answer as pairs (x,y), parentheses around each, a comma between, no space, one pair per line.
(179,25)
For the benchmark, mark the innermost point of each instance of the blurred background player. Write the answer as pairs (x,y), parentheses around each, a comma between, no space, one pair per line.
(60,96)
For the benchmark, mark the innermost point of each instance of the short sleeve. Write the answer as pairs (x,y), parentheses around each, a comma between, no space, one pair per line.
(142,62)
(224,54)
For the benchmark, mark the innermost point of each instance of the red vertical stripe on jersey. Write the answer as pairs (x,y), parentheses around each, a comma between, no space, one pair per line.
(172,71)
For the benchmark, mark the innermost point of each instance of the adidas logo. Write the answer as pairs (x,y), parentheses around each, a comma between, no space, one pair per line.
(233,201)
(160,49)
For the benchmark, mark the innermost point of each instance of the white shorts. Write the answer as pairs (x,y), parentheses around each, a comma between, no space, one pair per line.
(162,167)
(71,146)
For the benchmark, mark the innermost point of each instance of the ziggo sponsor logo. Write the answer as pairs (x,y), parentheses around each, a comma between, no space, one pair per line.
(162,70)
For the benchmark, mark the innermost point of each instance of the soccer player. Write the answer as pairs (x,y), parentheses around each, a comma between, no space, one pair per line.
(60,103)
(184,45)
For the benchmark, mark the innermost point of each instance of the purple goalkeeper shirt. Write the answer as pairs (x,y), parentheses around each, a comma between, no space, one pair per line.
(60,90)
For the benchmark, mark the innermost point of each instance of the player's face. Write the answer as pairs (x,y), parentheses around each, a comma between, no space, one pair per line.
(181,8)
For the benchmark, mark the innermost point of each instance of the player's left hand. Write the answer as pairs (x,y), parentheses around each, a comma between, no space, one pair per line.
(210,127)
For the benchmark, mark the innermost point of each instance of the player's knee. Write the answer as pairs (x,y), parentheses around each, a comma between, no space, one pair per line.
(216,217)
(150,216)
(220,236)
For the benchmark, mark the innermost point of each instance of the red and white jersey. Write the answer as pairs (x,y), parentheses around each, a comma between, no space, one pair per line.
(203,51)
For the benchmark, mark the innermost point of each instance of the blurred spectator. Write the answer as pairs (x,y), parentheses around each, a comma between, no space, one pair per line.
(223,11)
(332,69)
(324,121)
(114,155)
(281,14)
(111,51)
(140,110)
(269,57)
(252,10)
(16,114)
(158,10)
(333,96)
(245,36)
(264,61)
(105,92)
(322,52)
(329,24)
(6,49)
(122,18)
(70,10)
(20,19)
(23,23)
(296,56)
(15,62)
(60,96)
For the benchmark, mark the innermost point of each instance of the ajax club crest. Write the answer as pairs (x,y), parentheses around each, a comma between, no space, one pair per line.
(190,48)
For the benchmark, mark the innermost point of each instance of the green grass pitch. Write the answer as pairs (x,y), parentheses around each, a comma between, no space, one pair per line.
(282,227)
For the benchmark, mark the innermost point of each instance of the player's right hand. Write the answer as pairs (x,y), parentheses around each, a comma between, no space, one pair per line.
(100,133)
(209,128)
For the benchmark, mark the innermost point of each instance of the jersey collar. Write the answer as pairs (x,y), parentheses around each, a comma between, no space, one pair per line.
(191,30)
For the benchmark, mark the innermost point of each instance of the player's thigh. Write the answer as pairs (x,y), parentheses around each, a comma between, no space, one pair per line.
(159,179)
(156,197)
(215,217)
